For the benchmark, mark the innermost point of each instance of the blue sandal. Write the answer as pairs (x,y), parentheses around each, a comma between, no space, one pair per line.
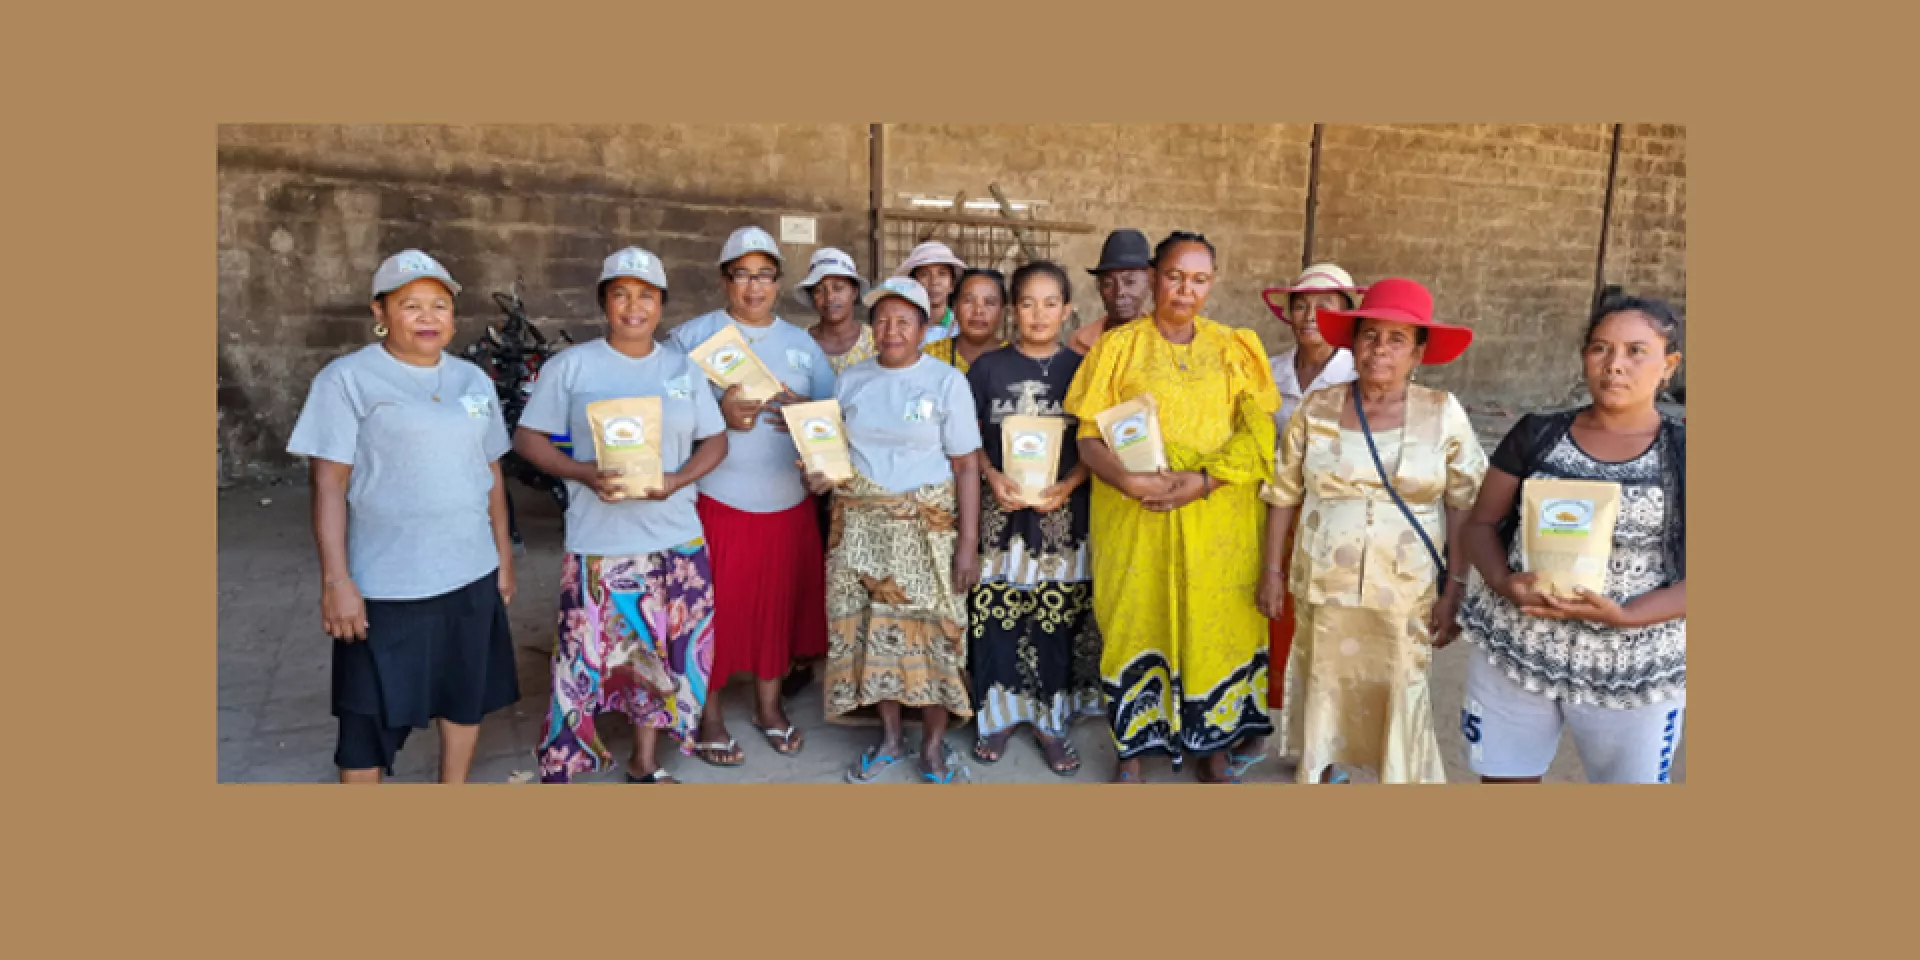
(870,766)
(953,766)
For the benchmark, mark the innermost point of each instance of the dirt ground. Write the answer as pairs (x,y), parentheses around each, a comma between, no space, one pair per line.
(274,661)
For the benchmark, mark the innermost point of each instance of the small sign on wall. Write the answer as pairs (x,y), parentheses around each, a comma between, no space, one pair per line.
(797,230)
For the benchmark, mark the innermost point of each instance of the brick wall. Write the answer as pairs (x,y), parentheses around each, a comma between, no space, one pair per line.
(1647,241)
(1502,223)
(307,212)
(1243,185)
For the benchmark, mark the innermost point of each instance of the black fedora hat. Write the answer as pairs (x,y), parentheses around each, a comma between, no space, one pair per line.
(1125,249)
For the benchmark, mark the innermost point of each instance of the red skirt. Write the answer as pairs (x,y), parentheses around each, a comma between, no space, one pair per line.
(1280,641)
(769,589)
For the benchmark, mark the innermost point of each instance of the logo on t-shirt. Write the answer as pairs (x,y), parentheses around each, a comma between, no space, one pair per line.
(800,360)
(919,409)
(680,387)
(477,404)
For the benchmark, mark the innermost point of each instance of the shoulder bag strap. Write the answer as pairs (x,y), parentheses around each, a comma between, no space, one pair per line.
(1360,410)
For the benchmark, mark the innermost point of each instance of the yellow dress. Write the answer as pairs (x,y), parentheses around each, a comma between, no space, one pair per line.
(1363,583)
(1184,661)
(948,352)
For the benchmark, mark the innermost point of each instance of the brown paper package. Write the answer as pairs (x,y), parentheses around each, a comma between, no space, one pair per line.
(1030,453)
(730,361)
(821,437)
(626,437)
(1566,529)
(1132,430)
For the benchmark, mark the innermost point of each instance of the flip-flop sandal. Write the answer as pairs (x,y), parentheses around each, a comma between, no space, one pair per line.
(1336,775)
(705,752)
(986,743)
(1127,776)
(782,741)
(954,766)
(871,764)
(1240,763)
(1067,752)
(657,776)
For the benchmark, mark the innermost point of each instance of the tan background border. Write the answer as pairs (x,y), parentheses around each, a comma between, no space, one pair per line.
(124,838)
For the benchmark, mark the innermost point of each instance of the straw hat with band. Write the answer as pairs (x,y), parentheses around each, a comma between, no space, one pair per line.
(1399,300)
(1319,278)
(928,254)
(827,262)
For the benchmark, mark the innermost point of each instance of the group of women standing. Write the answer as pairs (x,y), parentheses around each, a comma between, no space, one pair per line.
(1287,575)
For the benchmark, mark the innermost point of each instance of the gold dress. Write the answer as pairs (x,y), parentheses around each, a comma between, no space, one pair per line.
(1184,661)
(1363,583)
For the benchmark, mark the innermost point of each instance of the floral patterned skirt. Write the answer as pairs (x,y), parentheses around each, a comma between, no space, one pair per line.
(895,629)
(636,635)
(1032,641)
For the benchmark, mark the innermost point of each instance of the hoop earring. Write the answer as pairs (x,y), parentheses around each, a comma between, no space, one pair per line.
(379,331)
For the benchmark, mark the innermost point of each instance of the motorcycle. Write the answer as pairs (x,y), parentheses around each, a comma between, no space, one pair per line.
(513,354)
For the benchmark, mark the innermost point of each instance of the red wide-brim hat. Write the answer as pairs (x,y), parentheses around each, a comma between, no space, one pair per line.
(1401,301)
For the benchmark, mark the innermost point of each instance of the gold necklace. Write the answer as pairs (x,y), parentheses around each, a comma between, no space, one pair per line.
(439,372)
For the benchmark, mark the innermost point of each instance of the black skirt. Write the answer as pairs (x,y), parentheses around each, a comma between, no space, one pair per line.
(448,657)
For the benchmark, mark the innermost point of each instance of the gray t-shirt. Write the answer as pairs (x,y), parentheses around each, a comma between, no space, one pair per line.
(417,523)
(593,371)
(759,474)
(903,424)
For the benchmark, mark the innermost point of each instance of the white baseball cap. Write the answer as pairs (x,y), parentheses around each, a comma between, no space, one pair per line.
(636,263)
(827,262)
(405,267)
(750,240)
(906,288)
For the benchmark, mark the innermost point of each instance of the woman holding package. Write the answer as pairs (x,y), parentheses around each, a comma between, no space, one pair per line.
(903,550)
(934,267)
(1612,666)
(833,288)
(763,528)
(1368,605)
(1176,553)
(409,515)
(636,589)
(1035,657)
(980,319)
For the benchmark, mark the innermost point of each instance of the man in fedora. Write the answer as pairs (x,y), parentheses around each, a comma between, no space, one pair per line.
(1125,279)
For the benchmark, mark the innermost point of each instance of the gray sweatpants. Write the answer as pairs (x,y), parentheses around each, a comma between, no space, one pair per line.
(1513,733)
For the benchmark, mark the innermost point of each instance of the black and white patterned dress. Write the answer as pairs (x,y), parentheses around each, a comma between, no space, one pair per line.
(1575,661)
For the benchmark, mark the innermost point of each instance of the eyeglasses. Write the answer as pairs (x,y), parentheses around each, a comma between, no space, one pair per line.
(763,278)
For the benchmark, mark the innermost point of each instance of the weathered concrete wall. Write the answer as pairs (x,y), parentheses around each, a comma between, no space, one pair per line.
(1243,185)
(307,212)
(1501,222)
